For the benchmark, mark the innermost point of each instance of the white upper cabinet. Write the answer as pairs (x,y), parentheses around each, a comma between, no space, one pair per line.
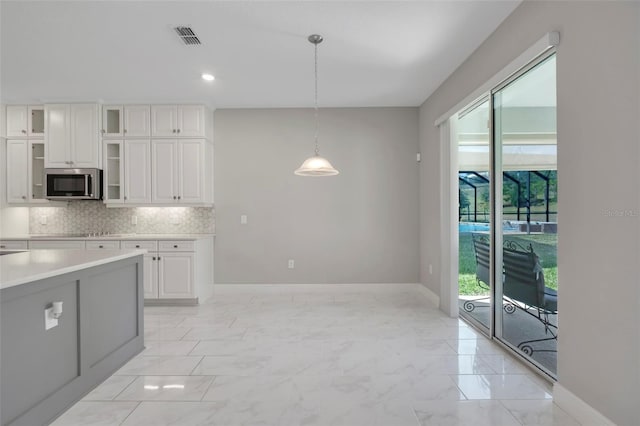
(164,120)
(17,171)
(58,135)
(137,171)
(85,144)
(191,154)
(35,115)
(71,136)
(178,121)
(112,122)
(178,172)
(25,121)
(137,121)
(191,121)
(17,121)
(25,171)
(164,171)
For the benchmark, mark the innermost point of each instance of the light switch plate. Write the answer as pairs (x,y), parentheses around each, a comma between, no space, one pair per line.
(243,219)
(49,320)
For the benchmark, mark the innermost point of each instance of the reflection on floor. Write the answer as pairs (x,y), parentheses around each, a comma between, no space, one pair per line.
(328,356)
(519,327)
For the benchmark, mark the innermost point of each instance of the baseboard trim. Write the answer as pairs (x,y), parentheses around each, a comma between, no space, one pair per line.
(310,288)
(171,302)
(430,294)
(585,414)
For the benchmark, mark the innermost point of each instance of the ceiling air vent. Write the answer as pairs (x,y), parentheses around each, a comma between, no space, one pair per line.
(187,35)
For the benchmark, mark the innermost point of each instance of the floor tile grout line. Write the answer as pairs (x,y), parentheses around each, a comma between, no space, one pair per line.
(131,412)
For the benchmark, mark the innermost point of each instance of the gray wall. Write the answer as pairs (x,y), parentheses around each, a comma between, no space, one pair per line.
(358,227)
(598,72)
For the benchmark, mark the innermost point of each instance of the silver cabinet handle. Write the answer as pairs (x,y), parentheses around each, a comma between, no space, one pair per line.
(174,131)
(154,258)
(138,246)
(3,246)
(125,130)
(159,257)
(24,131)
(125,197)
(174,197)
(175,246)
(100,246)
(104,131)
(24,197)
(178,130)
(178,197)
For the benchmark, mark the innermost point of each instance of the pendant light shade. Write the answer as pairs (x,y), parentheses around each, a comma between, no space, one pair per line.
(316,165)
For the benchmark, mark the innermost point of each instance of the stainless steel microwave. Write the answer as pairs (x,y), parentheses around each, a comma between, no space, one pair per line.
(73,184)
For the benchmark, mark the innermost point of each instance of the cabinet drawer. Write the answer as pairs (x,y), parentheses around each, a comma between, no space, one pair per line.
(14,245)
(66,244)
(146,245)
(109,244)
(176,246)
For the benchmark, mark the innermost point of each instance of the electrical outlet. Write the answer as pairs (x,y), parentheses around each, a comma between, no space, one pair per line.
(49,320)
(43,219)
(134,220)
(292,264)
(243,219)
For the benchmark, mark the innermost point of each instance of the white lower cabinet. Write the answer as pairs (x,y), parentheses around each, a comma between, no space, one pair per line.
(150,276)
(56,244)
(175,275)
(180,270)
(14,245)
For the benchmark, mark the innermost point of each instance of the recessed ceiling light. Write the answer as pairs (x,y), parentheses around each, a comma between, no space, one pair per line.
(208,77)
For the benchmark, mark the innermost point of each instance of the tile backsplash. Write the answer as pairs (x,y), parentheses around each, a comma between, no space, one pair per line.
(90,216)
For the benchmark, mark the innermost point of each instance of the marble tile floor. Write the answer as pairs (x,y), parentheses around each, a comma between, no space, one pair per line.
(343,358)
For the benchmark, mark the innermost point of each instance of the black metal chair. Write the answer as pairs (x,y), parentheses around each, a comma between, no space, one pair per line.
(523,288)
(481,251)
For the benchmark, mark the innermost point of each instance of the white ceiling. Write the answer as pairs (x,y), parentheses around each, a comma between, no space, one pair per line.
(375,53)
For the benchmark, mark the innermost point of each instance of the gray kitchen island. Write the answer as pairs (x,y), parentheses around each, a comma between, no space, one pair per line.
(52,353)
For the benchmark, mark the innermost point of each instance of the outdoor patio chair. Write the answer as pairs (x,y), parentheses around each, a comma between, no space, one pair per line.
(481,250)
(523,288)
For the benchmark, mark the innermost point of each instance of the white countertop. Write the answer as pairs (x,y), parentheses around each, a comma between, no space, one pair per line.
(118,237)
(33,265)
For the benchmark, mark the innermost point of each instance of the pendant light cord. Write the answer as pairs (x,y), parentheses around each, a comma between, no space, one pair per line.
(316,99)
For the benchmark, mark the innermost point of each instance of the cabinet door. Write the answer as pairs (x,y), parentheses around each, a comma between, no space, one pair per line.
(36,172)
(35,115)
(112,124)
(191,171)
(113,172)
(17,121)
(150,280)
(191,120)
(137,121)
(85,146)
(163,171)
(137,171)
(56,147)
(17,171)
(175,275)
(164,120)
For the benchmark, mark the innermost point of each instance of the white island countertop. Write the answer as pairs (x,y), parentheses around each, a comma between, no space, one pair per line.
(28,266)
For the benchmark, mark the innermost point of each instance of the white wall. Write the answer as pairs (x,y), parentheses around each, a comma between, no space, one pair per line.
(358,227)
(598,78)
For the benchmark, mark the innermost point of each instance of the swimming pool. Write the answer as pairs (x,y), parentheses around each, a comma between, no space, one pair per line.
(472,227)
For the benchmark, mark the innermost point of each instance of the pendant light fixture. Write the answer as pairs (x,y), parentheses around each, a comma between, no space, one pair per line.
(316,165)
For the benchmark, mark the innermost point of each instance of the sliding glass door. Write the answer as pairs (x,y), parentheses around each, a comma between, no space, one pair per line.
(524,116)
(507,214)
(474,218)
